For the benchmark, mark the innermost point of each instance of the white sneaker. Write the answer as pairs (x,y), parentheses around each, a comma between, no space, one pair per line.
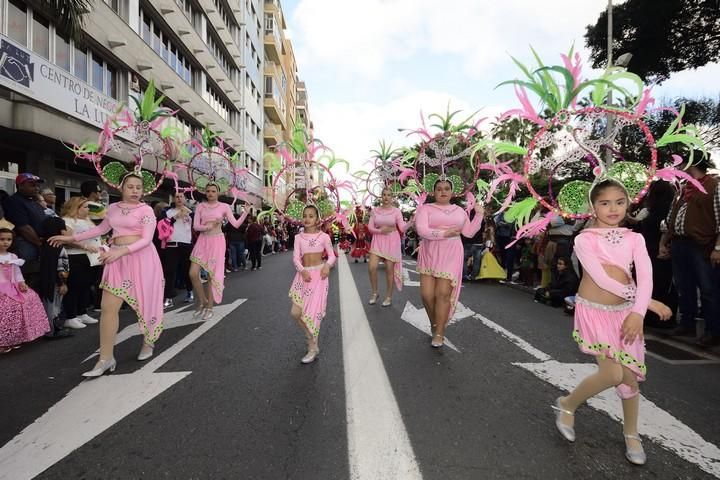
(87,319)
(74,323)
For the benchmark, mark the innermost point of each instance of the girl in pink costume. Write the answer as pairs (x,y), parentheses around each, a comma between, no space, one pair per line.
(132,273)
(609,313)
(440,261)
(22,316)
(309,288)
(209,250)
(386,224)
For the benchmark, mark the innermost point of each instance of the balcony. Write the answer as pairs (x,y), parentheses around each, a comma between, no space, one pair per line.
(272,42)
(272,134)
(272,109)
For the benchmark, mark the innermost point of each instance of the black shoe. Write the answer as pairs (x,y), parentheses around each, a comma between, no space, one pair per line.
(683,331)
(64,333)
(708,341)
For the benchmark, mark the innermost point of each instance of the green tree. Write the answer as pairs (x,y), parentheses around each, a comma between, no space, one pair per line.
(664,36)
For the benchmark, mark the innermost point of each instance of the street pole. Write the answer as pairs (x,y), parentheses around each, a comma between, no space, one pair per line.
(610,118)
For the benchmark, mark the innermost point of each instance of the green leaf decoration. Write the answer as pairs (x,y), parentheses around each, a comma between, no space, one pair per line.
(430,179)
(149,182)
(295,209)
(574,197)
(521,212)
(326,207)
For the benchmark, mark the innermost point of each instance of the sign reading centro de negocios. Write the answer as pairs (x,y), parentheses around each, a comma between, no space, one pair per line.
(33,76)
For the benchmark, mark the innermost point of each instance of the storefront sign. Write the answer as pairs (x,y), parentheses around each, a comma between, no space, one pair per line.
(31,75)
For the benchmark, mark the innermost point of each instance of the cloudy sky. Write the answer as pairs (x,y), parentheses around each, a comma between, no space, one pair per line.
(372,65)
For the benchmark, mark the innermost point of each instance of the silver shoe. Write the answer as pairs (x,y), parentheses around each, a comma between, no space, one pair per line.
(567,432)
(387,302)
(101,367)
(373,299)
(199,313)
(208,314)
(145,354)
(312,353)
(636,457)
(437,343)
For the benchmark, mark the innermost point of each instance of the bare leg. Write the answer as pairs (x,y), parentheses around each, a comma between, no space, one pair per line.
(631,408)
(389,277)
(443,294)
(608,375)
(427,293)
(372,270)
(109,319)
(200,298)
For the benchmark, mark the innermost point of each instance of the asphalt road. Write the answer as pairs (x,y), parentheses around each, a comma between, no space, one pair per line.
(250,410)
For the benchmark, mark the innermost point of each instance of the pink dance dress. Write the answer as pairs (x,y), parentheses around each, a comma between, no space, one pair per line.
(22,316)
(598,328)
(137,277)
(440,256)
(209,250)
(388,245)
(311,296)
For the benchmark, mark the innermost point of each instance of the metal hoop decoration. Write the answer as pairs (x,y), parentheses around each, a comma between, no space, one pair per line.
(148,142)
(440,166)
(562,119)
(287,205)
(383,176)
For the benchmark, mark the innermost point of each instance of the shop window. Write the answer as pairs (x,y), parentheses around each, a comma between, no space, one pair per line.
(97,73)
(17,21)
(110,82)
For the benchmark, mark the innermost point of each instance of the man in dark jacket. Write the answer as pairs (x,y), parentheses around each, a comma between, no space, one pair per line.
(564,284)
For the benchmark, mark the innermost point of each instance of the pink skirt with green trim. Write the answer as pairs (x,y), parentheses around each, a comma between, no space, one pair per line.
(443,259)
(311,297)
(388,246)
(598,329)
(138,279)
(209,253)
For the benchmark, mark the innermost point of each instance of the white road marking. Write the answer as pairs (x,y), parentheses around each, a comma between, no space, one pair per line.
(378,443)
(172,319)
(542,356)
(655,423)
(418,318)
(91,408)
(406,279)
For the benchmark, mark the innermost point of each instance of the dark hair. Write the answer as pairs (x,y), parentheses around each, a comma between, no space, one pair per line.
(443,180)
(7,230)
(88,187)
(701,161)
(213,184)
(133,175)
(604,185)
(317,211)
(565,260)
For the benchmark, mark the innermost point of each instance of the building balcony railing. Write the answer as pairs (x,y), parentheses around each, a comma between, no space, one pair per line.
(272,133)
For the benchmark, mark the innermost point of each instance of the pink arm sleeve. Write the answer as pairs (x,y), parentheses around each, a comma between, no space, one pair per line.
(593,267)
(297,253)
(371,225)
(18,274)
(422,225)
(148,223)
(231,218)
(329,250)
(101,229)
(643,272)
(400,222)
(198,220)
(470,228)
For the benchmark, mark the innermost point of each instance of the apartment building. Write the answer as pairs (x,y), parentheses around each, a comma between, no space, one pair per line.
(205,56)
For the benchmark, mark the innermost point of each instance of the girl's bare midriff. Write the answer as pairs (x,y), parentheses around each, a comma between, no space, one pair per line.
(589,290)
(312,259)
(125,240)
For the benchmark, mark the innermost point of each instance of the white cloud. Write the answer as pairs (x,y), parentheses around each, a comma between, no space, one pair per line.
(353,129)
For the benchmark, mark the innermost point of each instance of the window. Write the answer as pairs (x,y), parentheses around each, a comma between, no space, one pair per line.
(156,40)
(17,21)
(41,36)
(81,64)
(97,73)
(146,31)
(62,52)
(161,42)
(110,82)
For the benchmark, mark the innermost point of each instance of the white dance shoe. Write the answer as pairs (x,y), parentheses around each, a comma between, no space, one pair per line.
(437,341)
(101,367)
(373,299)
(634,456)
(566,431)
(145,352)
(387,302)
(87,319)
(312,353)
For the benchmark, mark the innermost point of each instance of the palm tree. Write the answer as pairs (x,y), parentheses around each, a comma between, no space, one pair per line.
(69,14)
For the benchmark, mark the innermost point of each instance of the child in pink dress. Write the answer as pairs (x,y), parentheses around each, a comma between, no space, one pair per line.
(440,261)
(22,316)
(132,271)
(209,250)
(386,225)
(309,288)
(609,313)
